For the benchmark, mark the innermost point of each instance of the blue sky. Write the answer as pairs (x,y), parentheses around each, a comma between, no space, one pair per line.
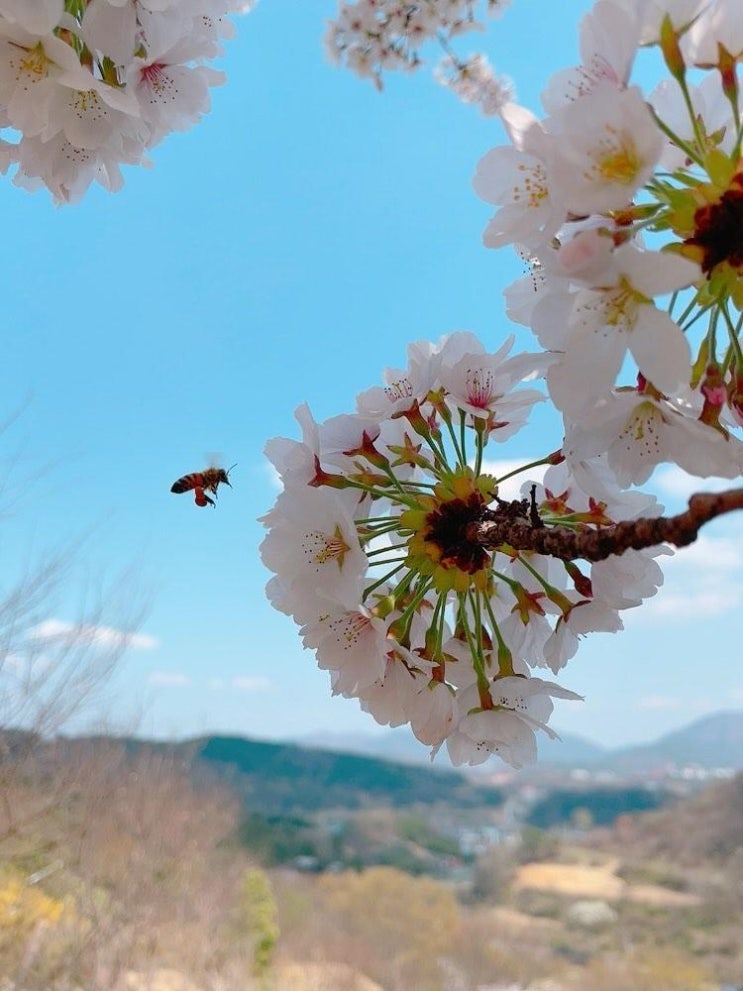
(285,250)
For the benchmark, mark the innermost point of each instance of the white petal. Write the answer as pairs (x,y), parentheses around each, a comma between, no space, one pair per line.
(660,349)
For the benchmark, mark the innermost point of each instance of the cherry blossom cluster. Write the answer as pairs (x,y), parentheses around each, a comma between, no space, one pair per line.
(90,85)
(371,37)
(371,548)
(425,593)
(629,210)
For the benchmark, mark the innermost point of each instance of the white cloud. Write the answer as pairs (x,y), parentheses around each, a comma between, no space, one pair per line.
(169,679)
(674,481)
(709,555)
(695,605)
(90,635)
(246,684)
(658,702)
(215,684)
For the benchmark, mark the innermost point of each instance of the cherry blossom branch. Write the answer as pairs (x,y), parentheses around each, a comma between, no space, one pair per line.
(513,525)
(372,37)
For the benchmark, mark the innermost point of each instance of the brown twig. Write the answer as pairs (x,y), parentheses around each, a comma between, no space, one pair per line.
(498,531)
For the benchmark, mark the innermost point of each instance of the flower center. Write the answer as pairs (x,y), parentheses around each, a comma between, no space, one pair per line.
(480,387)
(446,529)
(153,75)
(617,160)
(36,63)
(323,548)
(399,389)
(718,229)
(533,189)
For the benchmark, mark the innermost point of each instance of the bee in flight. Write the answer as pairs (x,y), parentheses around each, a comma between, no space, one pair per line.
(202,482)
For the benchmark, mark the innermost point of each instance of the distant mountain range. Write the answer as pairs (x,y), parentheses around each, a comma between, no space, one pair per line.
(270,779)
(393,770)
(285,778)
(714,741)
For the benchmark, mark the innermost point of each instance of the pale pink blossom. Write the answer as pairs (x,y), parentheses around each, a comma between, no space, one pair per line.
(351,644)
(638,432)
(517,179)
(649,15)
(608,321)
(403,387)
(605,147)
(608,43)
(719,23)
(35,16)
(313,544)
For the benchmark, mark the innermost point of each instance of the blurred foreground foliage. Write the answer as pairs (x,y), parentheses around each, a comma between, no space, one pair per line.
(122,870)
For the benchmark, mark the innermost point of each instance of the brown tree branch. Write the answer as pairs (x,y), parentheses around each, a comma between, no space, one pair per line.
(498,530)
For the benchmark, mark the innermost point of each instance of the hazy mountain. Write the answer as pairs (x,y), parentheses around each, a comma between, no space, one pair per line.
(400,745)
(394,744)
(714,741)
(711,742)
(286,778)
(570,749)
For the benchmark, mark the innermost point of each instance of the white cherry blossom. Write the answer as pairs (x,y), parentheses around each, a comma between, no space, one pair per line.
(517,179)
(403,387)
(171,96)
(294,460)
(482,385)
(474,81)
(719,23)
(626,580)
(481,735)
(649,15)
(440,626)
(638,431)
(432,712)
(607,321)
(710,106)
(388,699)
(605,147)
(313,544)
(351,644)
(587,616)
(31,66)
(608,43)
(102,82)
(35,16)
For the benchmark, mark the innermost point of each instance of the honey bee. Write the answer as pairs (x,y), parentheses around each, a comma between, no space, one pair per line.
(202,482)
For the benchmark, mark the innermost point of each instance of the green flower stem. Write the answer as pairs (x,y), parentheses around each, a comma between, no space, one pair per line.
(693,117)
(733,330)
(386,550)
(548,460)
(385,578)
(699,314)
(398,495)
(437,626)
(463,442)
(475,641)
(401,625)
(688,149)
(553,594)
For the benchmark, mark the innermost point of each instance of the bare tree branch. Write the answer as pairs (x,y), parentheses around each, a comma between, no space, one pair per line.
(512,527)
